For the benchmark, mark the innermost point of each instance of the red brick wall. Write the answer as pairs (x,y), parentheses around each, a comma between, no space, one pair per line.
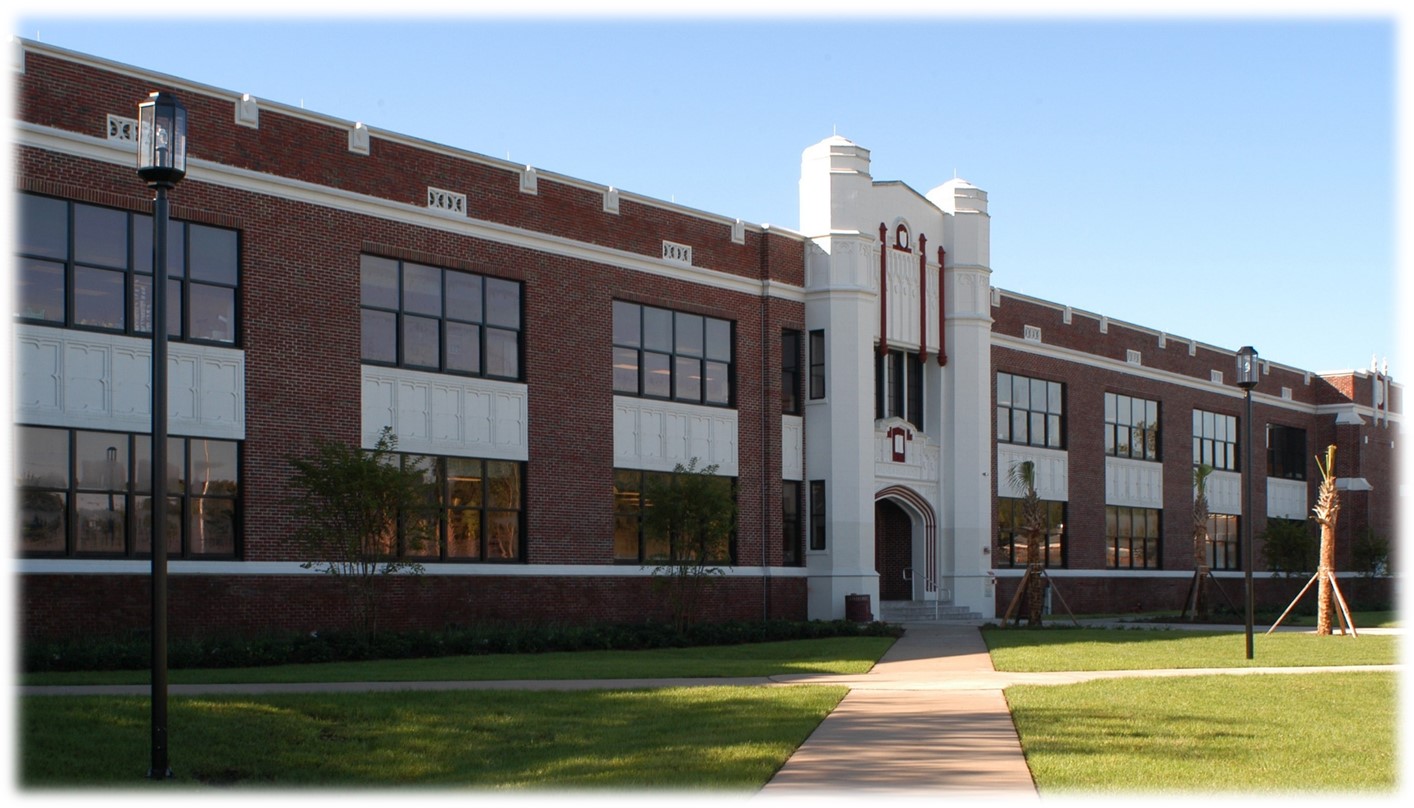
(299,311)
(1363,450)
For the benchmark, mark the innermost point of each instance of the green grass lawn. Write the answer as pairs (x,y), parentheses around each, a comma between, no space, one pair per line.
(1097,649)
(1260,733)
(829,655)
(713,737)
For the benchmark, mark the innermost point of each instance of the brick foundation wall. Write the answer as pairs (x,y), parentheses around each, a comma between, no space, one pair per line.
(55,606)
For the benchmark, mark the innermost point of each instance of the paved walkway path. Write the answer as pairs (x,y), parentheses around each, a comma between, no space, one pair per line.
(929,717)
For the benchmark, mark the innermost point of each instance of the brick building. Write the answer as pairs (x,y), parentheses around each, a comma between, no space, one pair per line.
(547,344)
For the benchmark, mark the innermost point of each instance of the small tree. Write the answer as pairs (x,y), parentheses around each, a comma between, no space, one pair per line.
(1290,547)
(1201,571)
(359,513)
(695,511)
(1369,554)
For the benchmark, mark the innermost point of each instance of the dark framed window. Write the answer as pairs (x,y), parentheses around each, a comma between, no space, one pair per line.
(1286,452)
(1223,542)
(818,521)
(1215,440)
(1011,541)
(633,540)
(791,534)
(89,267)
(1030,411)
(88,494)
(898,387)
(817,364)
(790,371)
(660,353)
(1131,537)
(480,505)
(442,320)
(1131,427)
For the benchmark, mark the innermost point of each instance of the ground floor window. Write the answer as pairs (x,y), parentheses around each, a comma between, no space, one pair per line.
(480,504)
(1131,537)
(791,534)
(1011,541)
(1223,547)
(635,542)
(88,494)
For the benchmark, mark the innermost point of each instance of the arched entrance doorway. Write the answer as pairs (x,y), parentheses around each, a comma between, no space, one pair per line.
(905,552)
(893,551)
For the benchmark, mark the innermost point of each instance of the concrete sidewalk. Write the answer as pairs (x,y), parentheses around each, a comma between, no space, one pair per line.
(908,727)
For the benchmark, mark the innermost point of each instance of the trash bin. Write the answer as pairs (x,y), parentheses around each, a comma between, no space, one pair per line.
(856,609)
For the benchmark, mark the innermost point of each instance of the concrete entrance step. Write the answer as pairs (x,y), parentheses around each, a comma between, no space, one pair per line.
(923,611)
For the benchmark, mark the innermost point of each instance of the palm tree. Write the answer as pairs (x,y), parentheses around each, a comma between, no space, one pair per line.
(1022,476)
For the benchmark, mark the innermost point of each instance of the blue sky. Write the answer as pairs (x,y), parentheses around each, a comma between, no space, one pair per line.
(1230,179)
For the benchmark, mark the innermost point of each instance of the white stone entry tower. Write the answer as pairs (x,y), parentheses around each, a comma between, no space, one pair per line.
(867,284)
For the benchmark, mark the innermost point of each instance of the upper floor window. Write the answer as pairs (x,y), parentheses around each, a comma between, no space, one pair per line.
(444,320)
(1214,440)
(790,372)
(1131,427)
(660,353)
(1286,452)
(82,493)
(1030,411)
(898,387)
(89,267)
(817,364)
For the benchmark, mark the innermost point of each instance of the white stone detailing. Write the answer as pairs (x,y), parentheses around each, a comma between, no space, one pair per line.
(358,139)
(529,181)
(1031,333)
(996,297)
(1104,325)
(122,129)
(1286,499)
(248,111)
(1133,357)
(1306,379)
(1353,484)
(1349,417)
(1163,340)
(1225,492)
(658,435)
(1052,467)
(434,413)
(1286,393)
(1192,347)
(738,232)
(1067,315)
(921,456)
(792,447)
(677,253)
(103,381)
(448,201)
(611,200)
(1215,376)
(1134,483)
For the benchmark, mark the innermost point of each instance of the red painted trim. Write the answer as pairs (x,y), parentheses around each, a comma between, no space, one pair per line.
(883,288)
(942,309)
(922,298)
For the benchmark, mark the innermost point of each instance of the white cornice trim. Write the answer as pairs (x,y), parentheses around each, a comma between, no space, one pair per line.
(101,150)
(1141,371)
(299,113)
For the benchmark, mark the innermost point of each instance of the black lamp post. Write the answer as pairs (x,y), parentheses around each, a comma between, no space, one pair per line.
(162,163)
(1247,379)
